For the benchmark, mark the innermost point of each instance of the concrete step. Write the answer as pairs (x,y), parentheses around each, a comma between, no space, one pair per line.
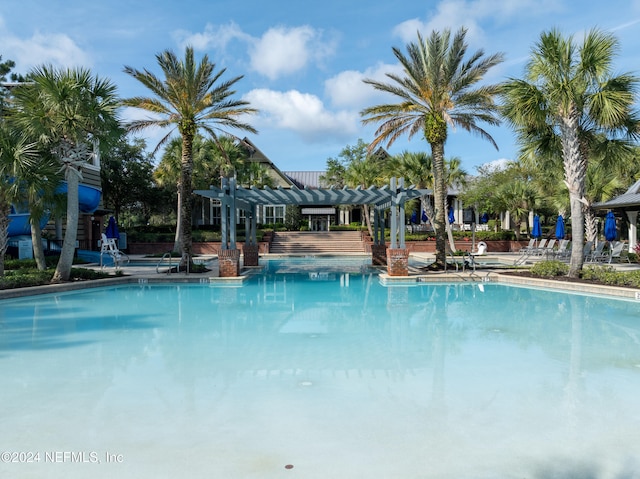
(316,242)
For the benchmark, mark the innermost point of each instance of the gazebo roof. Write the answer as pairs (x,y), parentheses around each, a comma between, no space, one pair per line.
(628,200)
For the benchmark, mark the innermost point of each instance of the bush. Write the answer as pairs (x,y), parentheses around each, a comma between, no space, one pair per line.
(550,269)
(608,275)
(23,277)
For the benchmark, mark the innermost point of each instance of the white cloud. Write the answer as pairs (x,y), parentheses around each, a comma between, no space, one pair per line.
(278,52)
(453,14)
(52,49)
(347,89)
(282,51)
(216,37)
(302,113)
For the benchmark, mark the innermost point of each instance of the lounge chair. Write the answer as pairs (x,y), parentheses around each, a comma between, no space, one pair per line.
(530,247)
(110,248)
(618,253)
(547,251)
(563,251)
(598,254)
(541,248)
(586,250)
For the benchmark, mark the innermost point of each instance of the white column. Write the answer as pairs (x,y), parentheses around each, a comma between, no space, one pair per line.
(633,230)
(506,221)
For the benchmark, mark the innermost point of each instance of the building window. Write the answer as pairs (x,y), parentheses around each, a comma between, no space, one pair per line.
(273,214)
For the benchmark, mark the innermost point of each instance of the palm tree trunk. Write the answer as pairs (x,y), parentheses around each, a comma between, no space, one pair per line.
(186,171)
(439,196)
(367,219)
(5,209)
(63,269)
(591,225)
(36,239)
(575,170)
(177,241)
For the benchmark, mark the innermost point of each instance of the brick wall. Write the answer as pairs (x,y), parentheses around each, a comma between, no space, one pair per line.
(398,262)
(229,263)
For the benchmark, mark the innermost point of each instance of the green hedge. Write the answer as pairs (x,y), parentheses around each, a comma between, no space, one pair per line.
(23,276)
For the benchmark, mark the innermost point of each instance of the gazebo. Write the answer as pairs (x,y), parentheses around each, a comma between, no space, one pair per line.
(629,203)
(233,198)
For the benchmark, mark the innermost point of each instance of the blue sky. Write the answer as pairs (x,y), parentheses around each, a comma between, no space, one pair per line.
(303,62)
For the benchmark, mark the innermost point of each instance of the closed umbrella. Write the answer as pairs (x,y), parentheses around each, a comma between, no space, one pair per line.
(112,229)
(452,218)
(414,217)
(536,232)
(560,228)
(484,218)
(610,232)
(424,217)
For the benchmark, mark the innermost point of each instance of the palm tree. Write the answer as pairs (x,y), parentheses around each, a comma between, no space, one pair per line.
(518,197)
(364,172)
(188,99)
(69,111)
(436,92)
(570,93)
(38,182)
(17,154)
(417,168)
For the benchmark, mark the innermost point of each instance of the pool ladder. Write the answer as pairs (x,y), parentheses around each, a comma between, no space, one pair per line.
(168,257)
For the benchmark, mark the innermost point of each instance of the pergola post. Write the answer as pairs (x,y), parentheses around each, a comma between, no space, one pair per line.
(250,248)
(229,255)
(378,248)
(397,255)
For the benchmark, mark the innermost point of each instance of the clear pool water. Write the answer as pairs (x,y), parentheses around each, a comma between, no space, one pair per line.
(320,375)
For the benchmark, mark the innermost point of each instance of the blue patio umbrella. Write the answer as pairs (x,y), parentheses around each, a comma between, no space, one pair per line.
(424,217)
(610,232)
(484,218)
(414,217)
(112,229)
(560,227)
(536,231)
(452,218)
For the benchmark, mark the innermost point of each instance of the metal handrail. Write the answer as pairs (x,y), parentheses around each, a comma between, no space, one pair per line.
(184,258)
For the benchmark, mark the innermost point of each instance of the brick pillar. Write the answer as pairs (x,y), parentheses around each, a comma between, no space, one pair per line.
(379,255)
(398,262)
(229,262)
(250,254)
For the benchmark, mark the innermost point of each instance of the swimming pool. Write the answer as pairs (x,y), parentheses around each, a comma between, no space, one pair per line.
(332,376)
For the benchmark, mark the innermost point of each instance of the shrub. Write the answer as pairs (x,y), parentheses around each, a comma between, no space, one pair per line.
(608,275)
(550,269)
(25,277)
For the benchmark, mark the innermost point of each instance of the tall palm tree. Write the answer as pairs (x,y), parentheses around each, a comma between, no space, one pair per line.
(69,111)
(570,92)
(438,90)
(189,98)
